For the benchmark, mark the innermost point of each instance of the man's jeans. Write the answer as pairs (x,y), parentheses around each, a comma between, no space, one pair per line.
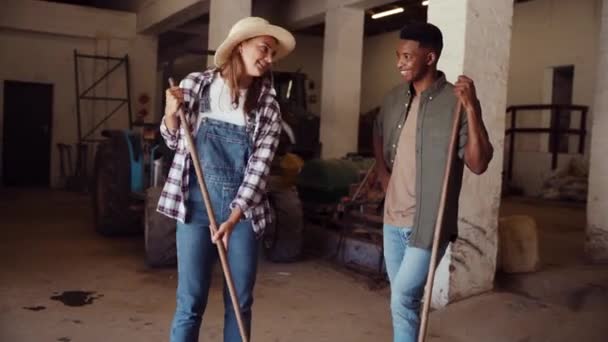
(407,269)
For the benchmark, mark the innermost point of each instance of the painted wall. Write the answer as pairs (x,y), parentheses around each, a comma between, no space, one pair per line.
(547,34)
(378,74)
(379,71)
(36,47)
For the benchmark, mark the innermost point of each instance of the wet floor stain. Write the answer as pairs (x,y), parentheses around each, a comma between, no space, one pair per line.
(34,308)
(77,321)
(76,298)
(64,339)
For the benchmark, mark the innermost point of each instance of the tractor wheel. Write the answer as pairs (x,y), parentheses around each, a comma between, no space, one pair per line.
(115,210)
(159,233)
(283,238)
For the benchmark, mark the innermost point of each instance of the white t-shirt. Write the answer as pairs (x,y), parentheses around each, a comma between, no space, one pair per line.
(222,108)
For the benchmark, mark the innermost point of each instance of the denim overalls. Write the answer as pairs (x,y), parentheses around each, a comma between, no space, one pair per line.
(224,150)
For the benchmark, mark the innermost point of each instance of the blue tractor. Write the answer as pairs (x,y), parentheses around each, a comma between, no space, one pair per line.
(128,175)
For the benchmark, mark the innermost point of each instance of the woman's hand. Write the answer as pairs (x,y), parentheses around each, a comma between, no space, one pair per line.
(223,233)
(226,228)
(174,99)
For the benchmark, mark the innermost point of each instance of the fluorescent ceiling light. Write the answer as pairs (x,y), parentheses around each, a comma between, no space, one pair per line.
(387,13)
(425,3)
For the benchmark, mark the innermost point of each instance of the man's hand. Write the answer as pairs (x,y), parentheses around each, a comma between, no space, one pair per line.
(464,89)
(478,150)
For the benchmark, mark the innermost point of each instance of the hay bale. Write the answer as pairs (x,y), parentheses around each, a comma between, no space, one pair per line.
(518,244)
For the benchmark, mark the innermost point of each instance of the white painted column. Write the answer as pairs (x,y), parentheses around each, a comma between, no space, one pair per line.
(222,15)
(596,246)
(477,36)
(342,58)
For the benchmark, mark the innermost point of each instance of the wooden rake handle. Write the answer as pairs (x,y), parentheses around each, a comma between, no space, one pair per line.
(212,222)
(428,289)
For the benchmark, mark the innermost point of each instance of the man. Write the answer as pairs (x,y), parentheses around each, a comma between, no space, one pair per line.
(411,139)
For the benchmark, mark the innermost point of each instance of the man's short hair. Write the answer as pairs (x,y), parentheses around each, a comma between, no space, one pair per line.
(427,35)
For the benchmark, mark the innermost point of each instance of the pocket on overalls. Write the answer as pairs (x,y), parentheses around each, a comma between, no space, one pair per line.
(226,155)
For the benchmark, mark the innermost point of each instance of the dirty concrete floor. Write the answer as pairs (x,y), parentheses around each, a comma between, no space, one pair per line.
(566,300)
(48,247)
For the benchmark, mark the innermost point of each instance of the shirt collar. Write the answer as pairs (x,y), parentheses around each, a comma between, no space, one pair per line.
(439,83)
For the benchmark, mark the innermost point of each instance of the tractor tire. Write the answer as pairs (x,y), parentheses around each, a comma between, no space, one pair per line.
(159,233)
(283,238)
(115,211)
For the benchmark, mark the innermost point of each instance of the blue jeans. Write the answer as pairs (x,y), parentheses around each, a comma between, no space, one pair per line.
(196,255)
(224,150)
(407,269)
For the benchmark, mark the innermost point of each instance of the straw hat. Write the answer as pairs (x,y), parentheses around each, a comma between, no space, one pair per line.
(251,27)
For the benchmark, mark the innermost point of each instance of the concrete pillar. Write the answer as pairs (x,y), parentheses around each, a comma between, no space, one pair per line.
(342,58)
(222,15)
(596,246)
(143,52)
(477,37)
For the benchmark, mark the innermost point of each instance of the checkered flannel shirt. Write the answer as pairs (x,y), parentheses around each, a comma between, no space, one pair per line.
(264,127)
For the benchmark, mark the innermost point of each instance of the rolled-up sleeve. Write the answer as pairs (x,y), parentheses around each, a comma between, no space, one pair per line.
(171,137)
(187,85)
(253,187)
(463,134)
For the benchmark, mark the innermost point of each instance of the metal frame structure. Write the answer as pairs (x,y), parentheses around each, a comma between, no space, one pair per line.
(554,131)
(84,95)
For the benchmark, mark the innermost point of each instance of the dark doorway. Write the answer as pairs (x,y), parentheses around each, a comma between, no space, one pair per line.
(563,79)
(28,112)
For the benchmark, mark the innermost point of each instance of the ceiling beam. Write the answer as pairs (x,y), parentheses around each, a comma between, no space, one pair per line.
(304,13)
(193,45)
(193,28)
(66,20)
(157,16)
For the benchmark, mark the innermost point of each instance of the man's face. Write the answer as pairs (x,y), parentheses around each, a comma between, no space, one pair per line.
(413,61)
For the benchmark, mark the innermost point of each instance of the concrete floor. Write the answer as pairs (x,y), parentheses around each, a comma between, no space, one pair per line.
(48,247)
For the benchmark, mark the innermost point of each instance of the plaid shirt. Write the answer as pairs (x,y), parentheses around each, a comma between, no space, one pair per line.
(264,127)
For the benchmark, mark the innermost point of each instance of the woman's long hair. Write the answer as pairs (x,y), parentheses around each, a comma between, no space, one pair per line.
(232,71)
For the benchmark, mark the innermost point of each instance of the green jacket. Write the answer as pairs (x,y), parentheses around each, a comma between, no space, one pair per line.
(434,125)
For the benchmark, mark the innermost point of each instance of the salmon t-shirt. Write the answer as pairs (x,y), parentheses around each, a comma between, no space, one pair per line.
(400,203)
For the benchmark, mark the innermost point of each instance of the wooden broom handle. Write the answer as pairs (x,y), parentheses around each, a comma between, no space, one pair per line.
(428,289)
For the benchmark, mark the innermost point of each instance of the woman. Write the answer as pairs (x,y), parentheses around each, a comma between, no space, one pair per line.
(235,121)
